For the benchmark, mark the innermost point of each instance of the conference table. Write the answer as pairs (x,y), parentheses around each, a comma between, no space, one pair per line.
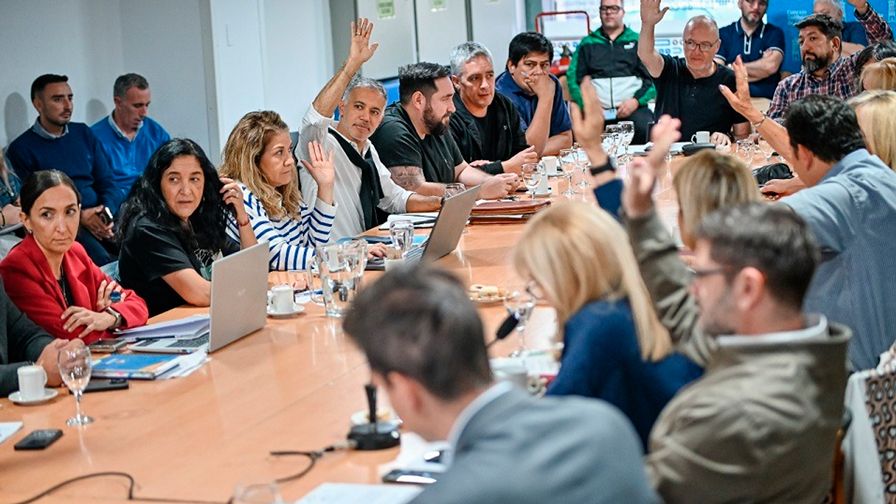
(291,386)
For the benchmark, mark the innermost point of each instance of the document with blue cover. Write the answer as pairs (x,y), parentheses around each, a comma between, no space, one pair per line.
(140,366)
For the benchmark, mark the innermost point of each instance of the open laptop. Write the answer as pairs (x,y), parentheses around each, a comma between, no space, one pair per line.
(445,232)
(238,304)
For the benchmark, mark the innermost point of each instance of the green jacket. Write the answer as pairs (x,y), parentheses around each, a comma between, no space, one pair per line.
(614,67)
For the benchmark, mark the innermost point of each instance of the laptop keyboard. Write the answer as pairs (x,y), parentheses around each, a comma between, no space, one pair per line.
(414,254)
(190,343)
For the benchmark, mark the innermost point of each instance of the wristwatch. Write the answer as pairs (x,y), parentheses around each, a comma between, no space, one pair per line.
(118,317)
(610,165)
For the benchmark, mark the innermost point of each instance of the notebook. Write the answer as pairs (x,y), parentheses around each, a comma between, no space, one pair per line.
(140,366)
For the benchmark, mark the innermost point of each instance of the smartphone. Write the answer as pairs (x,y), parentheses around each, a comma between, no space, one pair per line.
(38,439)
(107,345)
(411,477)
(106,215)
(102,385)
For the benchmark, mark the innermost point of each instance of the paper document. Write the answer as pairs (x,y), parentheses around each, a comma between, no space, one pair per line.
(7,429)
(187,328)
(186,364)
(339,493)
(421,220)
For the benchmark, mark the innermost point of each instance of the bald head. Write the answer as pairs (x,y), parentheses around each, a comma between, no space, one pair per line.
(830,7)
(701,23)
(701,43)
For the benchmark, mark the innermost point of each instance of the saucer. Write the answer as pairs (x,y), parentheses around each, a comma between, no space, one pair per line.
(17,398)
(544,194)
(296,309)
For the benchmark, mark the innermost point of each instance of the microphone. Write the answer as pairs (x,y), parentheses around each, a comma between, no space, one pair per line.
(374,435)
(505,329)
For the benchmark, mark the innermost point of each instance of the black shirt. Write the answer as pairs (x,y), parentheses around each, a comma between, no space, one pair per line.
(698,103)
(151,251)
(398,144)
(496,137)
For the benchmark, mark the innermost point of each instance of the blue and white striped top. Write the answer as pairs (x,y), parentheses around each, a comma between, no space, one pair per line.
(291,241)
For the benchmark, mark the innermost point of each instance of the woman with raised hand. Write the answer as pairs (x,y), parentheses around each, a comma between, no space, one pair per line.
(51,278)
(174,225)
(259,155)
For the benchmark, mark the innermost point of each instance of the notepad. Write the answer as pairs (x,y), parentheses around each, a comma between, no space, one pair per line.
(139,366)
(7,429)
(421,220)
(186,328)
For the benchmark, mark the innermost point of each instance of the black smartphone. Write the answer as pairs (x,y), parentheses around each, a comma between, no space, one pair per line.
(107,345)
(106,215)
(38,439)
(411,477)
(102,385)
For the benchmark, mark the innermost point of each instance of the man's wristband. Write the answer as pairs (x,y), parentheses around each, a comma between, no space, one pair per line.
(758,123)
(608,166)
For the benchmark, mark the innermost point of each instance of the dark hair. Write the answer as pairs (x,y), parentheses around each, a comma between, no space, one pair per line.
(771,238)
(418,321)
(825,125)
(41,82)
(127,81)
(38,182)
(208,224)
(874,52)
(529,42)
(419,77)
(829,26)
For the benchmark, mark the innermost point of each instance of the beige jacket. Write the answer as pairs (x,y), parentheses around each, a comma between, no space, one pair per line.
(760,425)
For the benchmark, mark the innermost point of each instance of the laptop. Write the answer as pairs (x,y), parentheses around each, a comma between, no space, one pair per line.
(238,304)
(445,232)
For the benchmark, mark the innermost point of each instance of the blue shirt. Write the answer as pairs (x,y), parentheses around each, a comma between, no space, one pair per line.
(602,359)
(76,152)
(766,37)
(854,32)
(526,103)
(128,157)
(852,212)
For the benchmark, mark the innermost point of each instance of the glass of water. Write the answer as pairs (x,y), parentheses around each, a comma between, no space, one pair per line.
(519,304)
(401,231)
(75,367)
(627,130)
(341,267)
(531,173)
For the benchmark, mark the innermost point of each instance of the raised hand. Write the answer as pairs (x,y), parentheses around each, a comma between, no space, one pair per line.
(740,100)
(361,49)
(588,124)
(860,5)
(320,164)
(637,197)
(651,14)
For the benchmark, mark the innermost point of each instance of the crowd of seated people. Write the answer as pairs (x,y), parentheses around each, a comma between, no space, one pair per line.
(713,375)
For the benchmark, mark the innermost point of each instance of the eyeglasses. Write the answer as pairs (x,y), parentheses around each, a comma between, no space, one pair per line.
(610,9)
(534,290)
(702,273)
(690,45)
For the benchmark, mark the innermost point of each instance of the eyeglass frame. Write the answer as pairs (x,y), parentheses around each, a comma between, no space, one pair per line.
(704,47)
(697,274)
(610,9)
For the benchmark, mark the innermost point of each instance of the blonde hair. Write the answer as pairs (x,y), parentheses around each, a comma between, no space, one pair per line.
(879,127)
(241,156)
(883,74)
(577,254)
(706,182)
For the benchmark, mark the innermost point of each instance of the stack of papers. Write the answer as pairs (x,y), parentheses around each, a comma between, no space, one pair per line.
(421,220)
(185,328)
(186,365)
(333,493)
(7,429)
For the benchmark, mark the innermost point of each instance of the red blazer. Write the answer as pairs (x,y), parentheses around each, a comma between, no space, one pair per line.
(34,289)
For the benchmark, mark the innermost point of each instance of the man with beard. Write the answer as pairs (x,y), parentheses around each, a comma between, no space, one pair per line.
(760,46)
(414,143)
(824,71)
(486,125)
(688,88)
(56,143)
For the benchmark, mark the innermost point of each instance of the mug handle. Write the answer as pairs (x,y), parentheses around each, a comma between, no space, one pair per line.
(44,374)
(694,138)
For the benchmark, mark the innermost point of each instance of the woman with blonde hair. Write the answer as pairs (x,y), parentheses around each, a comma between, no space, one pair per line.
(880,75)
(579,260)
(259,155)
(876,112)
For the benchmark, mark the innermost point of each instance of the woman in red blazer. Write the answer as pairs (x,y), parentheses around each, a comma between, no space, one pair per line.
(49,275)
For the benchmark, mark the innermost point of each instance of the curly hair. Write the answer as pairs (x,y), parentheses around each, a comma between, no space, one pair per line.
(208,224)
(241,157)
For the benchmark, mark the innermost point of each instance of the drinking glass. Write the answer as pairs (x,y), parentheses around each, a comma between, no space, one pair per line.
(520,304)
(265,493)
(767,150)
(615,131)
(74,367)
(568,165)
(609,143)
(584,164)
(453,189)
(627,130)
(402,233)
(341,266)
(532,174)
(745,151)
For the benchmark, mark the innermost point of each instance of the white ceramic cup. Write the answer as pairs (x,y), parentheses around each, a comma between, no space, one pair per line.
(551,165)
(32,380)
(513,371)
(700,137)
(282,299)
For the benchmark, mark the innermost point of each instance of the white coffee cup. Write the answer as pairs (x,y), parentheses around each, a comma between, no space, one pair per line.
(32,380)
(282,299)
(551,165)
(700,137)
(511,370)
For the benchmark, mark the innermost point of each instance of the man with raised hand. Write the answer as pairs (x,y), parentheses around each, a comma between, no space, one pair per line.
(760,45)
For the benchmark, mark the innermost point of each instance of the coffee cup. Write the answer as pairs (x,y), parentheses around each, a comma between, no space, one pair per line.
(32,380)
(511,370)
(700,137)
(551,165)
(282,299)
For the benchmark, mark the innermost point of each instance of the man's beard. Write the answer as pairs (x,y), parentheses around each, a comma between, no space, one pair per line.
(434,125)
(814,65)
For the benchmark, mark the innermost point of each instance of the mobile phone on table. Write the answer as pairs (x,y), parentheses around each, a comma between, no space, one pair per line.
(104,384)
(106,215)
(38,439)
(107,345)
(410,477)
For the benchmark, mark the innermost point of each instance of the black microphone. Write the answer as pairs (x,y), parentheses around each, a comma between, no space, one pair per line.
(505,329)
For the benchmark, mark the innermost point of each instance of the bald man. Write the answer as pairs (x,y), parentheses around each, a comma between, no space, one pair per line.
(688,88)
(853,38)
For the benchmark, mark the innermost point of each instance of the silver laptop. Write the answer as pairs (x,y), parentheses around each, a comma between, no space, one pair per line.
(445,232)
(238,304)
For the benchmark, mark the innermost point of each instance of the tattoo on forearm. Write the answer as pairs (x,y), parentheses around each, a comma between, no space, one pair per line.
(408,177)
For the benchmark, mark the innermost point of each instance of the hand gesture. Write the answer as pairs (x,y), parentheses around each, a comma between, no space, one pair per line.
(542,85)
(782,187)
(90,219)
(627,108)
(49,357)
(361,49)
(651,14)
(76,316)
(527,155)
(233,195)
(860,5)
(720,139)
(104,294)
(740,100)
(320,165)
(498,186)
(637,197)
(588,124)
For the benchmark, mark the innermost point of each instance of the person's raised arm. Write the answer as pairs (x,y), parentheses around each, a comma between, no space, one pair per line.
(233,196)
(360,52)
(651,15)
(876,27)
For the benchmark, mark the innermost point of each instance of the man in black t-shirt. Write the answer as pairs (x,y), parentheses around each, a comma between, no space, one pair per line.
(486,126)
(413,140)
(688,88)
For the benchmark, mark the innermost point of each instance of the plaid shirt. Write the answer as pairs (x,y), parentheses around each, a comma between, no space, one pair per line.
(840,80)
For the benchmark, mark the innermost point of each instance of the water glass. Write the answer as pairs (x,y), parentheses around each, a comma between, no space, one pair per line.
(341,267)
(401,231)
(745,151)
(265,493)
(519,304)
(532,173)
(75,367)
(627,130)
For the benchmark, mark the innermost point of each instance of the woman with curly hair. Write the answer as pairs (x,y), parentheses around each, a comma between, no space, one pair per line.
(173,226)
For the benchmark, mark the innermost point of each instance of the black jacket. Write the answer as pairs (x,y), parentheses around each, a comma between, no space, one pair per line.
(21,342)
(466,134)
